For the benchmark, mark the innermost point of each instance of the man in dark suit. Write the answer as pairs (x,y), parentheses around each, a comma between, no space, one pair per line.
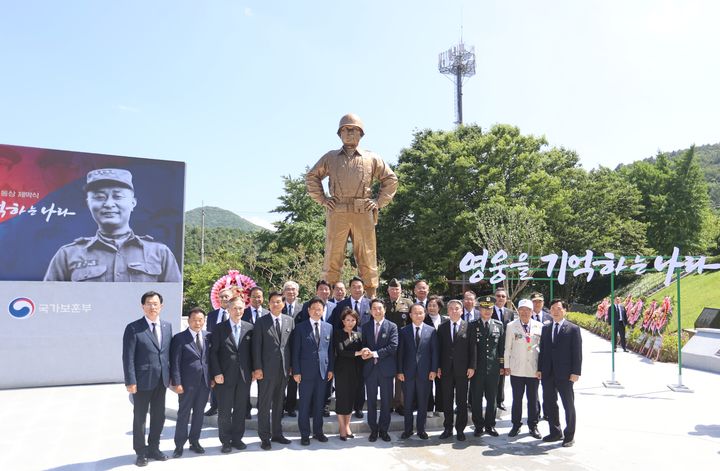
(255,309)
(380,343)
(421,291)
(292,304)
(457,366)
(618,311)
(504,315)
(231,369)
(146,364)
(397,311)
(470,313)
(215,317)
(418,356)
(271,361)
(489,337)
(559,367)
(189,370)
(312,364)
(539,312)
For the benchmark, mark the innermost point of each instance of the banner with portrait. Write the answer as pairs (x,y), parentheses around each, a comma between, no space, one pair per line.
(82,237)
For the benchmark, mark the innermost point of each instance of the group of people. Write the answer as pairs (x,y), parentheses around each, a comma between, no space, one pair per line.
(415,357)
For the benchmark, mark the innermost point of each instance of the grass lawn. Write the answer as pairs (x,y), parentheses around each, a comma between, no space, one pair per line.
(697,292)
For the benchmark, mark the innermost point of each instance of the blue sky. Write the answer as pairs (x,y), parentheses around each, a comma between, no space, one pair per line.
(248,91)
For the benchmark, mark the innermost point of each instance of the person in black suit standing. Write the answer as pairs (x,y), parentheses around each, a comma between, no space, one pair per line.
(433,318)
(618,310)
(146,365)
(380,343)
(255,309)
(189,370)
(231,369)
(271,361)
(215,317)
(418,356)
(312,363)
(559,365)
(504,315)
(457,366)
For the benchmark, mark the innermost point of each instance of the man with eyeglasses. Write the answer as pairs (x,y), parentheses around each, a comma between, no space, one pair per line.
(115,252)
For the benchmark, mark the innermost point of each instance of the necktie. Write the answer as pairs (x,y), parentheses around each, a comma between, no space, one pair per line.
(257,314)
(237,336)
(197,342)
(417,336)
(555,332)
(155,333)
(377,330)
(356,307)
(455,329)
(277,326)
(317,334)
(525,326)
(290,310)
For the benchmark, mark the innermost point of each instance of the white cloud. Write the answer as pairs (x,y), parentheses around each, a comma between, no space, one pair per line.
(262,223)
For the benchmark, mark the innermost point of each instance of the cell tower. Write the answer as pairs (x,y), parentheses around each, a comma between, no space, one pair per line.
(460,63)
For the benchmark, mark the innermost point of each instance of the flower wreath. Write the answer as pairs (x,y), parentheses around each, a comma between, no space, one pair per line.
(233,278)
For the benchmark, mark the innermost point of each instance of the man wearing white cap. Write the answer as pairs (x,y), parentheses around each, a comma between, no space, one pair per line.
(115,252)
(522,341)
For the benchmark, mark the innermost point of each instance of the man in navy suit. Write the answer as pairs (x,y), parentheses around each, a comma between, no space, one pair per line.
(271,361)
(312,364)
(559,365)
(470,312)
(255,309)
(146,364)
(620,314)
(380,343)
(418,356)
(231,369)
(189,370)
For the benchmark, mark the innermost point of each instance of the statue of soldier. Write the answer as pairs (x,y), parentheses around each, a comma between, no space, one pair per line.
(351,210)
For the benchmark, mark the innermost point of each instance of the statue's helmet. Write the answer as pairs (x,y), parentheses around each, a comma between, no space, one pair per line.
(351,119)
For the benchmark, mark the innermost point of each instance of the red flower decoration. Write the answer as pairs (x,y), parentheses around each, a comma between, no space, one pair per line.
(233,278)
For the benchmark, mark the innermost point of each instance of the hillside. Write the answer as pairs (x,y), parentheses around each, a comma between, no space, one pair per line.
(219,218)
(708,158)
(698,292)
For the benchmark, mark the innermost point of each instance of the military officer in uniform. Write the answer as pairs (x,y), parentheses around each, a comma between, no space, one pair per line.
(351,208)
(489,337)
(397,311)
(115,252)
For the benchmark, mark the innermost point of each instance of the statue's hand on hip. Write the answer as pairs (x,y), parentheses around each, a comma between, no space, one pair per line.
(330,203)
(371,205)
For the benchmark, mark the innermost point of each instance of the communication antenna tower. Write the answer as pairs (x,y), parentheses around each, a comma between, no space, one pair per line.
(459,62)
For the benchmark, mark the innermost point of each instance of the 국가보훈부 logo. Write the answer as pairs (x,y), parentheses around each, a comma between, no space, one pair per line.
(21,308)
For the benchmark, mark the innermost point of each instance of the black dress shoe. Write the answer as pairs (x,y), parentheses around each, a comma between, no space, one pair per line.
(400,411)
(491,431)
(197,448)
(478,432)
(514,431)
(178,452)
(305,441)
(385,437)
(226,448)
(343,437)
(291,413)
(461,436)
(359,414)
(568,443)
(321,437)
(535,433)
(239,445)
(405,435)
(552,438)
(210,412)
(141,461)
(625,350)
(350,435)
(157,455)
(373,436)
(422,435)
(265,444)
(501,406)
(281,440)
(446,434)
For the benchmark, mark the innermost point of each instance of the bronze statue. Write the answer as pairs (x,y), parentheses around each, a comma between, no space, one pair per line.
(351,209)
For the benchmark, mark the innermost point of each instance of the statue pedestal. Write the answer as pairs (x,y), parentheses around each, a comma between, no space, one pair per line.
(702,351)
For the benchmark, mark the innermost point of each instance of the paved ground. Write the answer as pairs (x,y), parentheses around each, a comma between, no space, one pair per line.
(643,426)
